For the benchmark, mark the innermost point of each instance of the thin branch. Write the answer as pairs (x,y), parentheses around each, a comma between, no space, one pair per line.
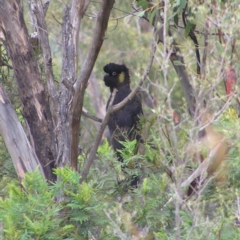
(82,79)
(94,118)
(77,11)
(220,33)
(235,49)
(116,226)
(38,12)
(97,40)
(136,89)
(200,171)
(205,51)
(173,27)
(135,10)
(45,7)
(175,57)
(3,63)
(194,39)
(203,167)
(93,151)
(183,76)
(56,19)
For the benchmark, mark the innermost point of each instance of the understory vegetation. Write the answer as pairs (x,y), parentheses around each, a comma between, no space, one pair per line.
(188,160)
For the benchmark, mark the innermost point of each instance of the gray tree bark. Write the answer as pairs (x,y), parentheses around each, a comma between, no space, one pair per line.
(32,92)
(22,153)
(53,115)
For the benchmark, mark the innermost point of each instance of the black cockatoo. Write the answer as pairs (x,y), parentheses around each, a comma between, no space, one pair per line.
(124,124)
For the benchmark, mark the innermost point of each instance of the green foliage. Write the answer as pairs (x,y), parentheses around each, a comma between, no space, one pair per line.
(98,208)
(177,7)
(105,150)
(128,152)
(152,14)
(142,3)
(30,211)
(190,26)
(69,210)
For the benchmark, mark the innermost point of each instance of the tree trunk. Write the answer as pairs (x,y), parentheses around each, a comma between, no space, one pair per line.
(72,88)
(55,141)
(22,153)
(33,95)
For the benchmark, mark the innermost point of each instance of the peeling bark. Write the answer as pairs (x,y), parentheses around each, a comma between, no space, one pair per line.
(21,152)
(33,96)
(72,88)
(53,116)
(38,16)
